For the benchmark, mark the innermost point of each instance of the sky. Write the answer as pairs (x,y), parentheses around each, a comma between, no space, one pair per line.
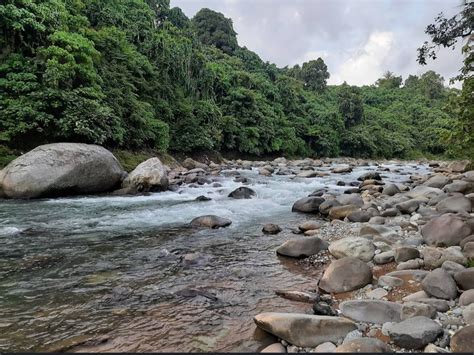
(359,40)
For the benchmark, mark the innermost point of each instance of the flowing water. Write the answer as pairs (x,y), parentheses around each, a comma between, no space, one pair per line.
(111,270)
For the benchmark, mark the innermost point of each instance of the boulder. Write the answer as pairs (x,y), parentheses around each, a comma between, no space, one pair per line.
(465,279)
(466,240)
(350,199)
(467,298)
(463,340)
(390,281)
(264,172)
(341,169)
(435,257)
(304,330)
(271,228)
(415,333)
(190,164)
(384,257)
(391,190)
(445,230)
(346,274)
(356,247)
(309,225)
(451,267)
(414,309)
(371,175)
(274,348)
(424,192)
(302,247)
(61,169)
(408,207)
(406,253)
(359,216)
(326,206)
(438,181)
(210,221)
(459,166)
(454,204)
(468,314)
(461,186)
(307,174)
(308,204)
(468,250)
(440,284)
(326,347)
(151,175)
(371,311)
(363,345)
(341,212)
(242,192)
(437,304)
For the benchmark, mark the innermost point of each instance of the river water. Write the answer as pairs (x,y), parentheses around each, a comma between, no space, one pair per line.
(111,270)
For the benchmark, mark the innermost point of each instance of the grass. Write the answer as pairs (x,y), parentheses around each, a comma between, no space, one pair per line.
(470,263)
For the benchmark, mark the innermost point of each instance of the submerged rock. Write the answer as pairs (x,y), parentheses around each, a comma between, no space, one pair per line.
(61,169)
(271,228)
(242,192)
(303,329)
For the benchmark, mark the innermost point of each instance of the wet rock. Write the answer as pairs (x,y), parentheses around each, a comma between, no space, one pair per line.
(371,311)
(299,296)
(417,275)
(307,174)
(363,345)
(359,216)
(274,348)
(345,274)
(414,333)
(307,204)
(454,204)
(323,309)
(414,309)
(372,175)
(467,298)
(242,192)
(356,247)
(341,169)
(203,198)
(406,253)
(440,284)
(195,259)
(341,212)
(463,340)
(210,221)
(265,172)
(303,247)
(309,225)
(445,230)
(191,293)
(303,329)
(271,228)
(465,279)
(391,190)
(61,169)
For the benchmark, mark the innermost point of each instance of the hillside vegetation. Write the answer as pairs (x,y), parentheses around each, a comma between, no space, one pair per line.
(136,74)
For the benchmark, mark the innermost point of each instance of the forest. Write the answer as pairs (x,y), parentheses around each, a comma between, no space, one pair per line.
(138,74)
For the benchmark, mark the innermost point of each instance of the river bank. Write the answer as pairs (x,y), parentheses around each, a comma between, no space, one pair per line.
(126,272)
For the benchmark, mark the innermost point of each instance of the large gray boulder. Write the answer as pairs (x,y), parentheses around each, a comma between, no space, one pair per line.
(440,284)
(445,231)
(346,274)
(61,169)
(465,279)
(454,204)
(304,329)
(151,175)
(360,248)
(371,311)
(308,204)
(302,247)
(438,181)
(414,333)
(242,192)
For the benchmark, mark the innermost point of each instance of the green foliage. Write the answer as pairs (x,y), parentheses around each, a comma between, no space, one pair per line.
(6,156)
(138,75)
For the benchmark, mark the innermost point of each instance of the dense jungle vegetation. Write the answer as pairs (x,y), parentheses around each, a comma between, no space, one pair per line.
(137,74)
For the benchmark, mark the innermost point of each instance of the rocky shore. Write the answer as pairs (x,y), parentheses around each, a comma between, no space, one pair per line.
(396,259)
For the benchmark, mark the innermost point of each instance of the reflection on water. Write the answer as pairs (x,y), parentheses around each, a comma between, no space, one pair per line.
(117,271)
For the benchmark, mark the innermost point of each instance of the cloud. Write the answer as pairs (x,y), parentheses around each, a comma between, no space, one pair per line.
(358,40)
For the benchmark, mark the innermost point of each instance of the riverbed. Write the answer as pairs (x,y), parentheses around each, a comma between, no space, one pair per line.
(114,273)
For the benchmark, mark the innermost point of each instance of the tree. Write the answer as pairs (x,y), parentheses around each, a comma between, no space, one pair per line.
(212,28)
(314,74)
(412,82)
(431,85)
(389,81)
(350,105)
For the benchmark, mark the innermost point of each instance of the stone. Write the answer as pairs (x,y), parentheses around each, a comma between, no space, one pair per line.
(326,347)
(377,220)
(377,230)
(341,169)
(468,250)
(459,166)
(406,253)
(466,240)
(463,187)
(346,274)
(274,348)
(424,192)
(356,247)
(271,228)
(359,216)
(61,169)
(414,309)
(390,281)
(377,293)
(371,175)
(437,304)
(371,311)
(389,212)
(410,264)
(302,247)
(264,172)
(415,297)
(341,212)
(391,190)
(468,314)
(303,329)
(203,198)
(210,221)
(434,257)
(190,164)
(323,309)
(417,275)
(463,340)
(415,333)
(299,296)
(151,175)
(431,348)
(350,199)
(409,206)
(363,345)
(440,284)
(308,204)
(438,181)
(451,267)
(454,204)
(467,298)
(309,225)
(326,206)
(242,192)
(465,279)
(445,230)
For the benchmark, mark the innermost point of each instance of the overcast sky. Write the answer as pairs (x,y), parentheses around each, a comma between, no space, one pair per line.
(359,39)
